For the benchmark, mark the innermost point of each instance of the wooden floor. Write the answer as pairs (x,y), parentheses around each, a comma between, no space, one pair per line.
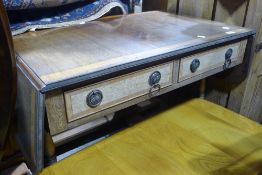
(196,137)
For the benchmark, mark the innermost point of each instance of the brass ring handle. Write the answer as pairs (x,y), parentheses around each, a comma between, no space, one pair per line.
(154,78)
(227,64)
(194,65)
(228,60)
(154,90)
(228,54)
(94,98)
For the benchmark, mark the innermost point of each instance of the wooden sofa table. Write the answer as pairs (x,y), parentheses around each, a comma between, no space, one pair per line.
(76,77)
(197,137)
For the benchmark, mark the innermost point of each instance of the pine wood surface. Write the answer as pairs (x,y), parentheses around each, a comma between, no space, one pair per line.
(197,137)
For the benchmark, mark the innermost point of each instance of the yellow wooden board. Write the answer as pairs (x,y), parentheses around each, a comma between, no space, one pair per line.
(196,137)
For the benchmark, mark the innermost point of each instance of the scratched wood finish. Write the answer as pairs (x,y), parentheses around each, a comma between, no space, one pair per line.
(7,78)
(147,34)
(197,137)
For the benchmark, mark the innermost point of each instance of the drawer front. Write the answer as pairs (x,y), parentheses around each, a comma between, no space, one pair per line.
(114,91)
(206,61)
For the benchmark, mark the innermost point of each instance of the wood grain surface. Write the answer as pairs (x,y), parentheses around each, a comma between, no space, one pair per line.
(60,54)
(71,111)
(197,137)
(196,8)
(211,59)
(251,105)
(245,13)
(172,6)
(56,112)
(231,12)
(115,91)
(56,109)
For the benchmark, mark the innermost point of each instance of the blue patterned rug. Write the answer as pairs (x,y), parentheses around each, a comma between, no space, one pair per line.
(27,15)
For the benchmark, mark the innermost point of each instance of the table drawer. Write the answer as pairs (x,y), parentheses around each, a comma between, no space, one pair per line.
(220,57)
(91,99)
